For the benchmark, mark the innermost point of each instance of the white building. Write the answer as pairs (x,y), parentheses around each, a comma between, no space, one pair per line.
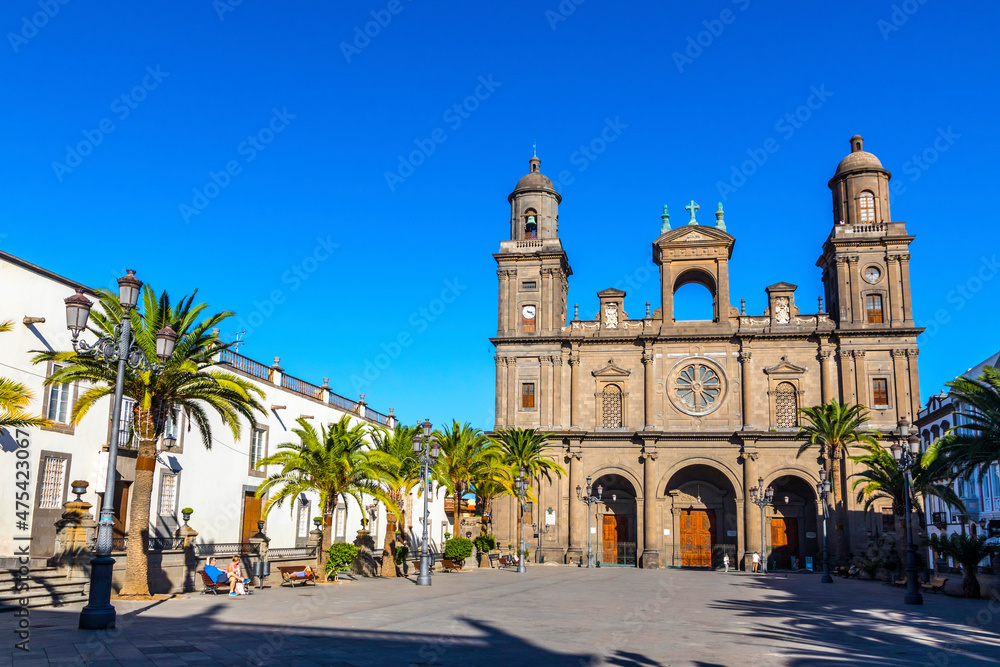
(219,484)
(981,492)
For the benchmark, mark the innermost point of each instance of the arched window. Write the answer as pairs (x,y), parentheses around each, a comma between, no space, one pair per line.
(612,407)
(786,406)
(944,427)
(867,203)
(530,224)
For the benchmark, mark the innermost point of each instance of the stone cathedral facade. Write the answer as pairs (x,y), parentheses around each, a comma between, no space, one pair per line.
(677,420)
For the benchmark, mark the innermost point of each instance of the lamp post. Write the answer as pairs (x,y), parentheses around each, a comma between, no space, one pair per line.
(427,450)
(119,349)
(521,485)
(823,491)
(906,451)
(762,497)
(590,500)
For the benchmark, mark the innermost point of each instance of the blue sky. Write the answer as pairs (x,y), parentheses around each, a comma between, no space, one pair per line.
(321,183)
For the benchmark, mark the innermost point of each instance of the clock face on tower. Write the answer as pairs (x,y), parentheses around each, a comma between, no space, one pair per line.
(528,312)
(872,274)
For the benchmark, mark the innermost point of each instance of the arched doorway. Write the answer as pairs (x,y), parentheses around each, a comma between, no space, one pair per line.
(791,527)
(703,518)
(616,527)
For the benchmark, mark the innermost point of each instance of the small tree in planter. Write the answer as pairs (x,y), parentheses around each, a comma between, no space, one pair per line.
(341,556)
(485,543)
(457,550)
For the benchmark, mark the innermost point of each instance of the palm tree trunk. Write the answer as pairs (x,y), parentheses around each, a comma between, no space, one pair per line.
(970,582)
(839,508)
(388,568)
(327,540)
(136,559)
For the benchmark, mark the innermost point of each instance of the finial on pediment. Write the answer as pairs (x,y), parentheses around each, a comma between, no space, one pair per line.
(720,223)
(665,226)
(743,306)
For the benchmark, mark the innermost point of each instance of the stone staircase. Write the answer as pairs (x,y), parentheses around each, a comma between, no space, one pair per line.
(47,587)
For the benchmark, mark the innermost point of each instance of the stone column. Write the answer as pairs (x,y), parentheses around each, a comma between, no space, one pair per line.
(751,518)
(650,539)
(911,356)
(900,378)
(557,366)
(502,300)
(861,391)
(666,294)
(852,276)
(826,370)
(577,517)
(904,286)
(513,321)
(544,389)
(574,391)
(895,305)
(501,389)
(846,375)
(512,388)
(647,364)
(844,297)
(746,390)
(548,303)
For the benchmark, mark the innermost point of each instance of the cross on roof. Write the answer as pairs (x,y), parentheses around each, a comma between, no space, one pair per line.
(692,207)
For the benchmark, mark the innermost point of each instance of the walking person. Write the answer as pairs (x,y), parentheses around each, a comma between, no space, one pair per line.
(755,560)
(725,562)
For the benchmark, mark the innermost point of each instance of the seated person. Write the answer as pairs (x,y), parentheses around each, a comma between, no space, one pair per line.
(235,575)
(214,573)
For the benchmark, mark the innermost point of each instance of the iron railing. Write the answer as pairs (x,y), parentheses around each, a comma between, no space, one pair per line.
(154,543)
(246,365)
(301,386)
(226,548)
(623,554)
(345,404)
(292,552)
(377,416)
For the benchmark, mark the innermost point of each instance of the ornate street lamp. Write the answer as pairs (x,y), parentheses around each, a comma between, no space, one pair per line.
(590,500)
(822,491)
(762,497)
(521,485)
(906,450)
(427,451)
(119,349)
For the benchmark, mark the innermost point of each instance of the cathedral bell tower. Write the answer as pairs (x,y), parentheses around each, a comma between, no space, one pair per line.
(866,259)
(532,267)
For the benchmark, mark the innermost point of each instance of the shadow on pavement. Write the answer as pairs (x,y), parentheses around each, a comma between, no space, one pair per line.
(204,638)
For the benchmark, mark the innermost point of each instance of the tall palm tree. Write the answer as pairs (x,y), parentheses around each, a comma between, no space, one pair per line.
(969,551)
(186,380)
(882,478)
(466,453)
(976,442)
(833,428)
(14,398)
(524,449)
(397,446)
(336,462)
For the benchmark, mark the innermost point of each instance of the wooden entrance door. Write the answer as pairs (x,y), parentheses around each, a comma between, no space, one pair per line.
(784,540)
(121,508)
(251,515)
(615,531)
(697,537)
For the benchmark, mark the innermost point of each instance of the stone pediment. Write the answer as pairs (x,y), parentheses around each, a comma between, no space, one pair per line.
(610,292)
(781,287)
(612,370)
(784,367)
(695,234)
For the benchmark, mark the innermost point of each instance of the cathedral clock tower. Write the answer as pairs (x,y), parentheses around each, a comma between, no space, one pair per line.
(532,269)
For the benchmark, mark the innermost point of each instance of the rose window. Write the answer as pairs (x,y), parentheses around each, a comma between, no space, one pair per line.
(698,387)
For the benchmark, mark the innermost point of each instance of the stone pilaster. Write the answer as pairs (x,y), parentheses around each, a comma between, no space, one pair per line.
(650,540)
(647,394)
(746,375)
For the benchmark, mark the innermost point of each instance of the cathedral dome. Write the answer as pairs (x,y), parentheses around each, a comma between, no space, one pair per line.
(858,158)
(534,179)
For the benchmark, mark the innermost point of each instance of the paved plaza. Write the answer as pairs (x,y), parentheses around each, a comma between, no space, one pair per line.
(548,616)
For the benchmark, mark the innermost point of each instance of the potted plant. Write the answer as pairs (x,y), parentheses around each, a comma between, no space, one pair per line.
(341,556)
(186,513)
(317,520)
